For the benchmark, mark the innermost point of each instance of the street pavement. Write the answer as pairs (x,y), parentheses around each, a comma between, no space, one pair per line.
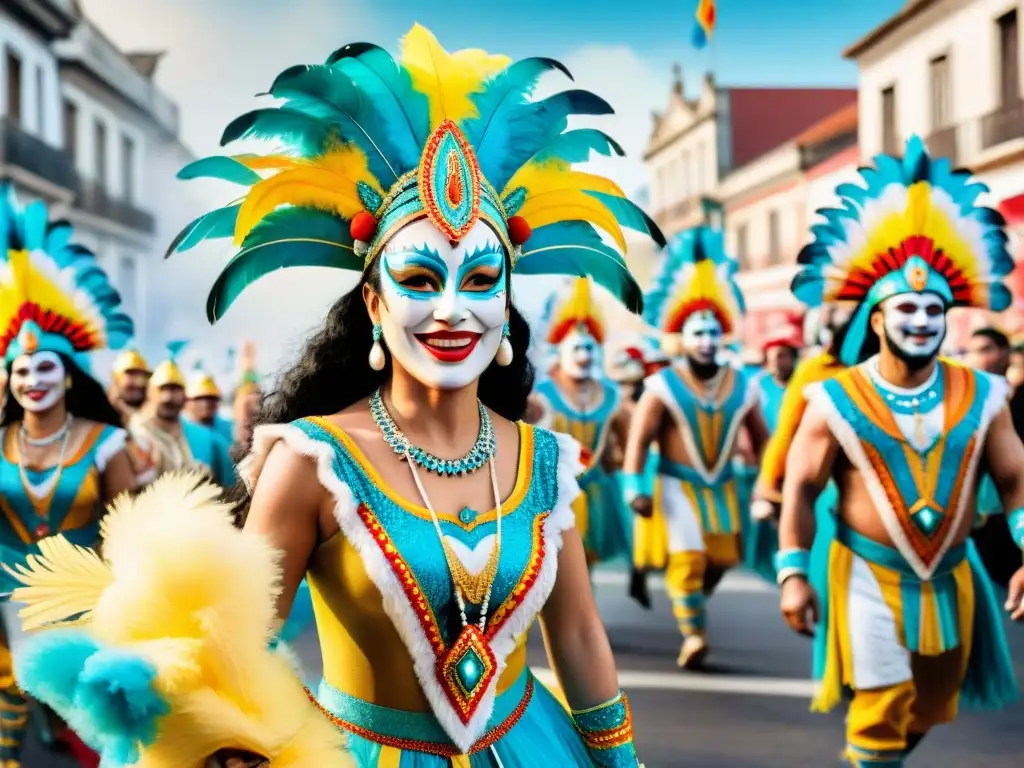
(749,709)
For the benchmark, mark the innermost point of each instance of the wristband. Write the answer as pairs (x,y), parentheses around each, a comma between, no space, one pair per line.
(607,732)
(632,486)
(1015,520)
(791,562)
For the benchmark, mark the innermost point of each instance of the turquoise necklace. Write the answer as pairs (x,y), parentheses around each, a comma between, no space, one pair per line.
(481,452)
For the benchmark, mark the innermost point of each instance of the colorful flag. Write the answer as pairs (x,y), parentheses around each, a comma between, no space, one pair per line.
(705,23)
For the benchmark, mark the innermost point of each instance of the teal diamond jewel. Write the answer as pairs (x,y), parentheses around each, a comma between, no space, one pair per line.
(467,516)
(470,670)
(928,520)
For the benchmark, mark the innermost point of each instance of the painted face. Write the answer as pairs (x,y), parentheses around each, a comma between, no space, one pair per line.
(915,325)
(577,354)
(443,307)
(702,337)
(38,381)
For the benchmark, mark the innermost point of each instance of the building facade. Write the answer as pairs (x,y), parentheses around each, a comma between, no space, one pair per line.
(950,72)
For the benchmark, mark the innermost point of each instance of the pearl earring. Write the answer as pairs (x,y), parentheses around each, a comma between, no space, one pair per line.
(504,356)
(377,359)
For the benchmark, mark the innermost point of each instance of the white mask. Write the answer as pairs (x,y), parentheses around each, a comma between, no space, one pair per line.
(38,381)
(915,323)
(702,337)
(444,307)
(577,353)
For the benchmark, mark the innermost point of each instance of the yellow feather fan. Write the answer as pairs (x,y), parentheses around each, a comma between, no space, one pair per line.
(180,586)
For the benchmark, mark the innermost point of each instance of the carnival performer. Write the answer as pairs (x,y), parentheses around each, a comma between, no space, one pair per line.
(430,552)
(202,404)
(175,443)
(694,411)
(910,618)
(781,353)
(578,399)
(61,444)
(247,399)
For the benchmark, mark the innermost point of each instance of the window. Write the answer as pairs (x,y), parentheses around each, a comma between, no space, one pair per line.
(100,159)
(70,129)
(1009,67)
(741,245)
(13,87)
(128,168)
(40,101)
(941,96)
(128,280)
(774,249)
(889,143)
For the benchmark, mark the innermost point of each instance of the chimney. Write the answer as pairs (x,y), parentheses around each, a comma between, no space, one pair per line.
(677,84)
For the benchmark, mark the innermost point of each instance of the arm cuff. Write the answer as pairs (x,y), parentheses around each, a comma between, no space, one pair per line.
(607,732)
(1015,520)
(633,485)
(792,562)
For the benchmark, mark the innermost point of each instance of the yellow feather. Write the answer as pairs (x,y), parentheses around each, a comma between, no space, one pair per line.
(64,580)
(447,79)
(553,207)
(548,176)
(267,162)
(579,307)
(39,280)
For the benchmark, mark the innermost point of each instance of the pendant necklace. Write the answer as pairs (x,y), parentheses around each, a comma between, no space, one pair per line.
(481,452)
(38,494)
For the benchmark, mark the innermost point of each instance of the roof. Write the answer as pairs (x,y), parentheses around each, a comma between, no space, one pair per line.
(145,62)
(765,118)
(887,27)
(840,123)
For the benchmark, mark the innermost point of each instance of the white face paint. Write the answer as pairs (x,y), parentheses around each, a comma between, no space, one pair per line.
(38,381)
(443,307)
(577,354)
(702,337)
(915,323)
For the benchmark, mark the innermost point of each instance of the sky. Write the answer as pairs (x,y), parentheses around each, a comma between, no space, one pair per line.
(220,53)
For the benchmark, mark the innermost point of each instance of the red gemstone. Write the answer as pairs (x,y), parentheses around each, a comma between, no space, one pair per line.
(42,531)
(453,187)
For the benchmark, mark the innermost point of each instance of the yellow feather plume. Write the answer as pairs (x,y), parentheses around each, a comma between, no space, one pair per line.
(555,193)
(579,307)
(182,587)
(447,79)
(327,182)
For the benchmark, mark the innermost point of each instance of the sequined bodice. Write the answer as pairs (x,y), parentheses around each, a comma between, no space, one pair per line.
(589,427)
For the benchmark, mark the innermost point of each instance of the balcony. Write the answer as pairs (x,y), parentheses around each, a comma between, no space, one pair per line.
(22,150)
(93,199)
(1003,124)
(53,19)
(942,143)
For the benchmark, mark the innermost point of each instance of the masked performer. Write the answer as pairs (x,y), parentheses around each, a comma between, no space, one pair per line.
(579,400)
(175,443)
(694,411)
(430,552)
(910,618)
(61,443)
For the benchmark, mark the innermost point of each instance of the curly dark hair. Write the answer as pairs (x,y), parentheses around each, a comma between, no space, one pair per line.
(333,370)
(86,399)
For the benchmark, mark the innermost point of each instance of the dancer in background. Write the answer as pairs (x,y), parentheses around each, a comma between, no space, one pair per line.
(62,451)
(202,404)
(388,464)
(579,400)
(910,619)
(694,411)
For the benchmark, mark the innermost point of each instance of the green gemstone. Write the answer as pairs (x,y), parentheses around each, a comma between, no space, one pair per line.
(470,670)
(927,520)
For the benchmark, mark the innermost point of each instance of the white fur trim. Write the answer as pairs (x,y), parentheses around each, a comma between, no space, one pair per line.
(109,446)
(818,399)
(397,607)
(709,475)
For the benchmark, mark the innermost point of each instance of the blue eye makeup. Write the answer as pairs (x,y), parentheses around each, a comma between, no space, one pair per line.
(423,258)
(487,257)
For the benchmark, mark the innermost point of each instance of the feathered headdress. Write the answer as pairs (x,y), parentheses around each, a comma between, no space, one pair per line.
(167,373)
(576,308)
(371,144)
(696,275)
(913,227)
(53,294)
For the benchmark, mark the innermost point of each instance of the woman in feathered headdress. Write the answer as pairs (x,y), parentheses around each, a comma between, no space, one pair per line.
(388,463)
(62,444)
(908,619)
(694,410)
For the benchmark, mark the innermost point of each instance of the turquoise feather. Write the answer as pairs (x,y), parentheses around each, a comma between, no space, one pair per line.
(218,223)
(303,134)
(175,347)
(327,94)
(575,248)
(220,167)
(288,237)
(630,215)
(402,109)
(576,146)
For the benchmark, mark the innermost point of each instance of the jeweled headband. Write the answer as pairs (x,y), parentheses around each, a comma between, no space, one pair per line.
(371,144)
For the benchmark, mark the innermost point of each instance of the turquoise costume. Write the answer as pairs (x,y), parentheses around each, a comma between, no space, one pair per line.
(211,450)
(771,400)
(54,298)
